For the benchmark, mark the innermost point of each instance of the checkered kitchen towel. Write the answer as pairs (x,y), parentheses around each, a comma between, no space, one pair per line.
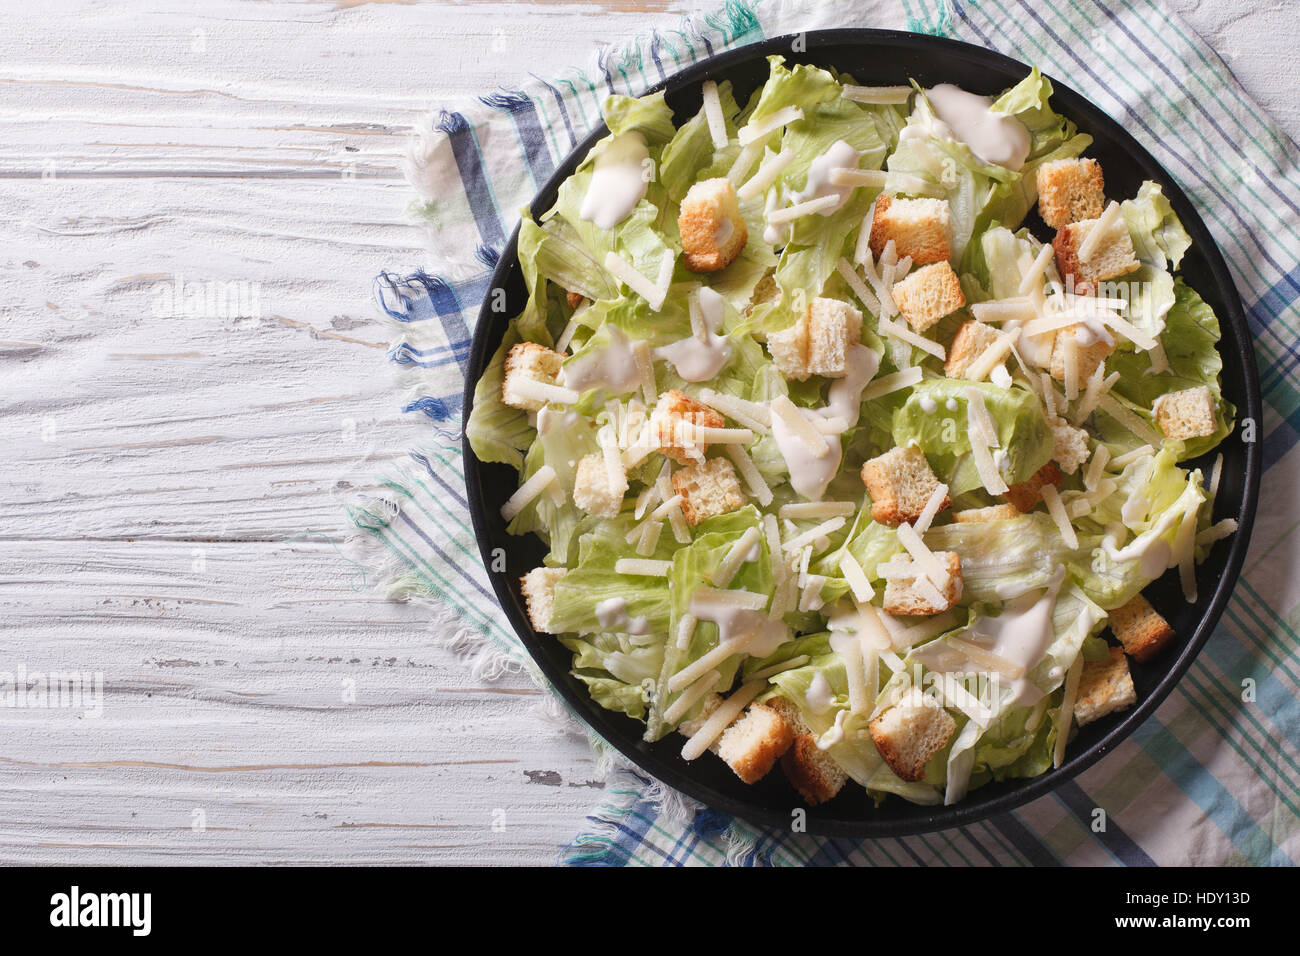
(1207,780)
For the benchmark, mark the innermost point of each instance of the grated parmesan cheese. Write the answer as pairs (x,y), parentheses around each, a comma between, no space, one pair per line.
(713,114)
(529,490)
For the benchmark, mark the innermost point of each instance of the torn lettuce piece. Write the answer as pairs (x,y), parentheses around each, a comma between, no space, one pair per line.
(618,669)
(1024,440)
(1001,559)
(593,580)
(1158,237)
(1152,498)
(498,432)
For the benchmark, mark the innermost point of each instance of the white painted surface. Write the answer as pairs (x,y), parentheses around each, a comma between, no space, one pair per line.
(167,505)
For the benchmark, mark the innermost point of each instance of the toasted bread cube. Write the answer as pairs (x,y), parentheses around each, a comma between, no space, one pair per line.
(1026,495)
(904,599)
(1104,687)
(811,771)
(1186,414)
(538,587)
(673,426)
(928,294)
(1070,190)
(532,361)
(1140,628)
(789,349)
(818,343)
(1113,258)
(574,299)
(900,483)
(991,513)
(592,491)
(754,743)
(708,489)
(1069,444)
(712,228)
(910,732)
(833,327)
(920,228)
(1090,351)
(971,341)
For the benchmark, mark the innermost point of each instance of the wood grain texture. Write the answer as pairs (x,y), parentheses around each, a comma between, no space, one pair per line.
(169,502)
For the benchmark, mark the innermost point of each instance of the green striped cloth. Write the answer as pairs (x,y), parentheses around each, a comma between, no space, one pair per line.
(1209,779)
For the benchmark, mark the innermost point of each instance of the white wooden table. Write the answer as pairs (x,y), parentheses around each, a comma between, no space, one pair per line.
(169,513)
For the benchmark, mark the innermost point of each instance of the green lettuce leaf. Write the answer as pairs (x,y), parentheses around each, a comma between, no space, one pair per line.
(1022,430)
(496,431)
(1158,236)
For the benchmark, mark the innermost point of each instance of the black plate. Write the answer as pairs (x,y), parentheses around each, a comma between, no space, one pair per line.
(886,57)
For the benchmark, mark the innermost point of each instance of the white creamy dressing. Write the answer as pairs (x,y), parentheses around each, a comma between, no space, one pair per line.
(810,475)
(612,615)
(928,404)
(612,367)
(835,734)
(698,361)
(819,696)
(966,117)
(758,634)
(840,155)
(1021,634)
(618,181)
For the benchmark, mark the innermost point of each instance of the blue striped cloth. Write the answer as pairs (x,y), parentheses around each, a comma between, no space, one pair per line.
(1210,778)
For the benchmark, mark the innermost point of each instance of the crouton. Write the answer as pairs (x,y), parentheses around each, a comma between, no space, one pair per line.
(910,732)
(1090,350)
(673,427)
(811,771)
(1113,258)
(900,483)
(538,587)
(971,341)
(708,489)
(920,228)
(819,341)
(592,491)
(1186,414)
(992,513)
(755,742)
(712,228)
(1025,495)
(1070,190)
(904,599)
(928,294)
(1140,628)
(1069,444)
(1104,687)
(528,360)
(574,299)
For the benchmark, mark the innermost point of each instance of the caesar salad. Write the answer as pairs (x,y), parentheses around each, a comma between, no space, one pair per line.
(840,466)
